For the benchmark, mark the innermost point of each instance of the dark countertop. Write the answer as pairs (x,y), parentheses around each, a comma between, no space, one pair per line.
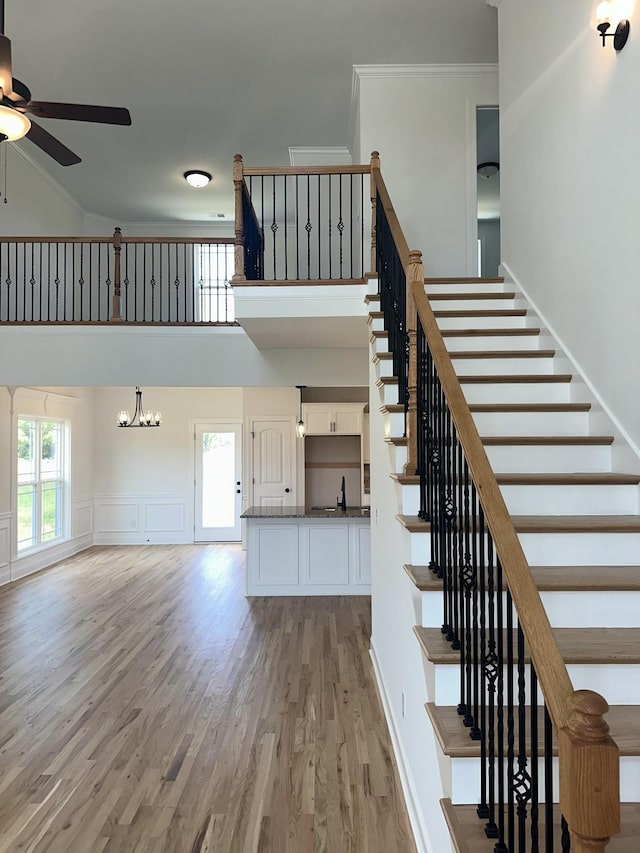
(353,513)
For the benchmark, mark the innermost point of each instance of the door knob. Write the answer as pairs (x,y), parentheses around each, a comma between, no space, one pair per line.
(237,491)
(238,483)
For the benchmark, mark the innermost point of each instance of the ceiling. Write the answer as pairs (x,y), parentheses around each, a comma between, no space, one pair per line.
(205,80)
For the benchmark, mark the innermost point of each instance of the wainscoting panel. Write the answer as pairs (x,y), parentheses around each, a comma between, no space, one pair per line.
(140,519)
(82,517)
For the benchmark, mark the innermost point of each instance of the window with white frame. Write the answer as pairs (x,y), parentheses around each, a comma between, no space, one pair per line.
(214,267)
(41,489)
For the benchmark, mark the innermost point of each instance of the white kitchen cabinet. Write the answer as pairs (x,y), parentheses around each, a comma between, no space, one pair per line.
(333,418)
(361,553)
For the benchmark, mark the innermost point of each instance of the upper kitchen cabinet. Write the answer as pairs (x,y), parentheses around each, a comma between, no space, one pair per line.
(333,418)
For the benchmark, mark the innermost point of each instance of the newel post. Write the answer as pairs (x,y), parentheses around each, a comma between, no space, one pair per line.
(415,274)
(115,305)
(238,186)
(375,171)
(589,774)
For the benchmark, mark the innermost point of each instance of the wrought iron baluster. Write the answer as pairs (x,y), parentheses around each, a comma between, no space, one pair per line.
(522,779)
(107,282)
(495,673)
(340,227)
(535,790)
(510,666)
(32,282)
(319,228)
(548,783)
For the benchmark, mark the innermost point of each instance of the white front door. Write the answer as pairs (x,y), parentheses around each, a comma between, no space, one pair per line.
(218,482)
(273,463)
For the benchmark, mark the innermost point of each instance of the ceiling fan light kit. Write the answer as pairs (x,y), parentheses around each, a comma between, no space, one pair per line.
(15,101)
(13,125)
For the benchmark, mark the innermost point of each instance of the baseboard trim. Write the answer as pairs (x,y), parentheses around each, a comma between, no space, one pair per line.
(406,780)
(22,567)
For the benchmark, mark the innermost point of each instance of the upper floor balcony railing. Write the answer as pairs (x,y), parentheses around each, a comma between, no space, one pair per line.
(173,281)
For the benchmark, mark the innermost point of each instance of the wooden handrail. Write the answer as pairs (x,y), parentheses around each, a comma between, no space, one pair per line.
(268,171)
(589,758)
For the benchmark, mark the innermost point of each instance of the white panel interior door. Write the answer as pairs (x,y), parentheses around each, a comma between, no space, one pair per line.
(273,463)
(218,482)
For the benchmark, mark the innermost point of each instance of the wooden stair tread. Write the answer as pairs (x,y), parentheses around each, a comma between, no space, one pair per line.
(576,523)
(529,407)
(375,315)
(397,441)
(466,280)
(545,440)
(577,645)
(453,736)
(478,294)
(515,378)
(387,380)
(473,333)
(392,409)
(414,524)
(467,830)
(497,353)
(382,356)
(378,333)
(553,578)
(371,298)
(406,479)
(595,479)
(479,312)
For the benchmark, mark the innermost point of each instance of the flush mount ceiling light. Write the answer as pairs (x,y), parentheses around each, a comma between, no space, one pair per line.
(488,170)
(621,34)
(140,417)
(13,125)
(197,178)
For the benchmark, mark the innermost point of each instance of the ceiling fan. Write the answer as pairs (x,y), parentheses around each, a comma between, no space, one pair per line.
(16,101)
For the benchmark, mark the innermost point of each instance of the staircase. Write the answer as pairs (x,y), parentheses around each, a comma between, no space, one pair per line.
(572,488)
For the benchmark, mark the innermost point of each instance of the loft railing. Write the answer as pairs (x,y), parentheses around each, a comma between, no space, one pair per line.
(516,697)
(116,279)
(307,223)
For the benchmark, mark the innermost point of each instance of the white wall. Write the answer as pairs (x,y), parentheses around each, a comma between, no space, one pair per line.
(36,204)
(570,185)
(422,121)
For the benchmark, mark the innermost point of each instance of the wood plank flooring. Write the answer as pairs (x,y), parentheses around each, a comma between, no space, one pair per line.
(147,706)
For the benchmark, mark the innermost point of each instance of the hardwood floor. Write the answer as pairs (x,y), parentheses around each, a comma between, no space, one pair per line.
(146,705)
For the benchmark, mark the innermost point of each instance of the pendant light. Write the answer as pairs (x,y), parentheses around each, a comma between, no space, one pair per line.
(140,417)
(300,428)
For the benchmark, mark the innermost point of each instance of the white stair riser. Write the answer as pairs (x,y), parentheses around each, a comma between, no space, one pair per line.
(588,609)
(619,683)
(484,287)
(462,343)
(439,304)
(571,500)
(376,324)
(389,393)
(492,322)
(371,287)
(581,549)
(540,459)
(384,368)
(531,423)
(466,774)
(516,392)
(542,366)
(380,344)
(398,457)
(394,425)
(417,546)
(409,499)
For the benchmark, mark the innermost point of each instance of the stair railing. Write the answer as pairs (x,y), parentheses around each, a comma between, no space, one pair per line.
(516,696)
(307,223)
(167,280)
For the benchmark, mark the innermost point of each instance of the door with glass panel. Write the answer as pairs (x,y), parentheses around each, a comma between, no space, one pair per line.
(218,482)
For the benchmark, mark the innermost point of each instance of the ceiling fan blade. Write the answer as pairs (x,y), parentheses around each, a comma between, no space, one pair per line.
(51,146)
(80,112)
(5,65)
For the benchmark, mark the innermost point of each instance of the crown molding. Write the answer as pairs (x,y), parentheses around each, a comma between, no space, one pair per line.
(51,180)
(484,69)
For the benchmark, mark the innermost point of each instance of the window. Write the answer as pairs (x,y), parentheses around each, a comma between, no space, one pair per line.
(41,481)
(214,266)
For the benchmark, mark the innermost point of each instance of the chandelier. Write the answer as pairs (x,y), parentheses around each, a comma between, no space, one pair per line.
(140,417)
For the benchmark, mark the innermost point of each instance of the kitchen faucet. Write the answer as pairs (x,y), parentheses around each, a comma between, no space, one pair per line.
(342,502)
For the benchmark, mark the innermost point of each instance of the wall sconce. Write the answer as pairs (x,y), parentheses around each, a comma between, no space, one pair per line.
(300,427)
(620,36)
